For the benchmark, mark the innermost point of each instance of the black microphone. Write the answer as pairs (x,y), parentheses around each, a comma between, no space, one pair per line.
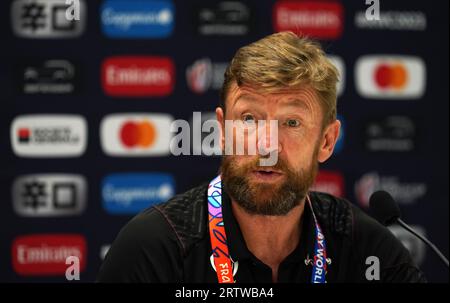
(386,211)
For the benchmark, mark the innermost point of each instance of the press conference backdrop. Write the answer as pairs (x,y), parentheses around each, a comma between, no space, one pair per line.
(86,109)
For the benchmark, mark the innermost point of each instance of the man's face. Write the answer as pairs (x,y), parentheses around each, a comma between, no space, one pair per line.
(273,190)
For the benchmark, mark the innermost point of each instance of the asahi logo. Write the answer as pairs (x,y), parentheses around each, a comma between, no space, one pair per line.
(42,19)
(48,195)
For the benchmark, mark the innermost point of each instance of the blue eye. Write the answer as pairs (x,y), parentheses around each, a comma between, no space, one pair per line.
(292,123)
(248,118)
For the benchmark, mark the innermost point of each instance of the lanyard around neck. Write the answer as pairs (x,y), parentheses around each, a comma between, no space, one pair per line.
(222,260)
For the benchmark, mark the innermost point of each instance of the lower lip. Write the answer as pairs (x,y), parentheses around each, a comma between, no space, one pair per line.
(266,177)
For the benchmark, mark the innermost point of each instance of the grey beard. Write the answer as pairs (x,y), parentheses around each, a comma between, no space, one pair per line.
(280,203)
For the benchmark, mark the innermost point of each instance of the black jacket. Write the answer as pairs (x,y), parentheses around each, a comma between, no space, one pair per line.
(170,243)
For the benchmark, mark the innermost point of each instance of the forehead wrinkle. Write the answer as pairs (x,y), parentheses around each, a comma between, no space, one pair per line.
(303,98)
(243,95)
(307,99)
(297,103)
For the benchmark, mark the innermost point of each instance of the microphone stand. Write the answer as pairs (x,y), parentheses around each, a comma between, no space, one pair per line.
(426,241)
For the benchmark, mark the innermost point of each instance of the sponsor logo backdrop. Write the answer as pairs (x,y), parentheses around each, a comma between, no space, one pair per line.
(86,109)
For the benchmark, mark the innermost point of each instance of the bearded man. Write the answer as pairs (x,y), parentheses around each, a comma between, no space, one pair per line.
(256,222)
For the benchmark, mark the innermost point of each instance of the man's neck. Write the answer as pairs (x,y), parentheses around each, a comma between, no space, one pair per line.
(270,238)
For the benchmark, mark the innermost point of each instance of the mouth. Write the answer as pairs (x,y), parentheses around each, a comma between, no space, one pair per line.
(267,175)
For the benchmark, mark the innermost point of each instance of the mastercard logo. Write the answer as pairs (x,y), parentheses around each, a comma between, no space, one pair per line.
(390,77)
(393,76)
(138,134)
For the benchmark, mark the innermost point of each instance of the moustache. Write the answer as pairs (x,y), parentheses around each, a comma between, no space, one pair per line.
(253,165)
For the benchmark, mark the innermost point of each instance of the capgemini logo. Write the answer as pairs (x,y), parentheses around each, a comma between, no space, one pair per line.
(129,193)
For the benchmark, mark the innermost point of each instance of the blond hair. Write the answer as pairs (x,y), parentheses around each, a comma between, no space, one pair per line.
(285,61)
